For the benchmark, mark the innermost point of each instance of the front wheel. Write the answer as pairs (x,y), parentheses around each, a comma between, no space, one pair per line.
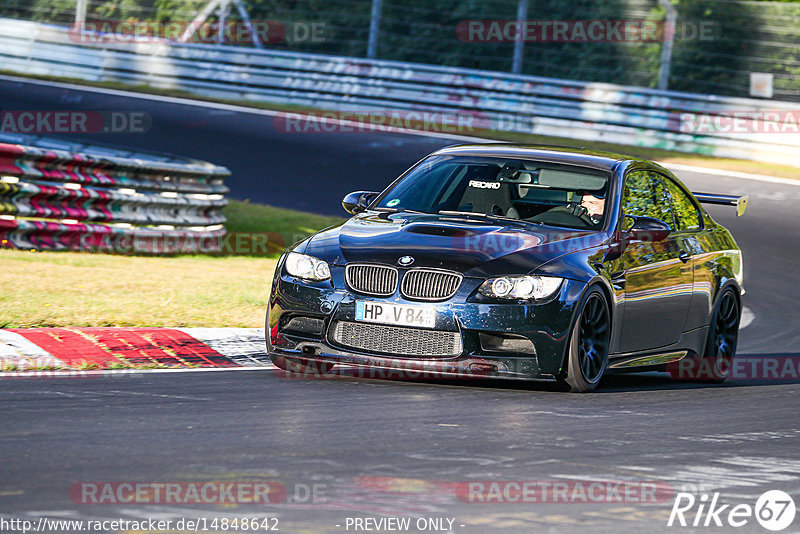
(589,342)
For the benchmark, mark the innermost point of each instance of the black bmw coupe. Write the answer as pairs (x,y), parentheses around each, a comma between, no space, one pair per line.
(508,261)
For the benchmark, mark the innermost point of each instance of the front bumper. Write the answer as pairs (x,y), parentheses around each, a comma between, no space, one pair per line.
(546,325)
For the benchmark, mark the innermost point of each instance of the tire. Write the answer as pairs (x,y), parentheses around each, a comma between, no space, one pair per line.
(723,335)
(302,367)
(587,353)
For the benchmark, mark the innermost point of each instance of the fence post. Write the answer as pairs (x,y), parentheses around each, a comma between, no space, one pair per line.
(666,47)
(222,15)
(240,7)
(80,13)
(374,29)
(519,43)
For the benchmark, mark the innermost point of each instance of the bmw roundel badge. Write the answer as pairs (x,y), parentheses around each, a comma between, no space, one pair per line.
(405,260)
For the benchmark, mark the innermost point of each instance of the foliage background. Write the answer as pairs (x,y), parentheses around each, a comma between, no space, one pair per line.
(748,36)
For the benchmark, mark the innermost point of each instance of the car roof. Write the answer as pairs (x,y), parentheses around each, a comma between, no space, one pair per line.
(552,154)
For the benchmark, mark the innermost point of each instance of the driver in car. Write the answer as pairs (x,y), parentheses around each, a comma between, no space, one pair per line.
(588,212)
(594,207)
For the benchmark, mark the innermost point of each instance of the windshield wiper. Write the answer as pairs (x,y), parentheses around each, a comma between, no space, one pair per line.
(390,211)
(492,216)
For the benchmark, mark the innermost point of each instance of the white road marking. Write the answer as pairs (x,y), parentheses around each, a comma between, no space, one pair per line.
(730,174)
(747,318)
(722,472)
(715,477)
(477,460)
(146,394)
(80,394)
(742,437)
(562,414)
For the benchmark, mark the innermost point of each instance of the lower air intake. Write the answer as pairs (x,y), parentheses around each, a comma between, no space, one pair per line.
(397,340)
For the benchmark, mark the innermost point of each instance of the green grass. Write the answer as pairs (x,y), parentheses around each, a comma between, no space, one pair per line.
(662,155)
(243,216)
(261,230)
(58,289)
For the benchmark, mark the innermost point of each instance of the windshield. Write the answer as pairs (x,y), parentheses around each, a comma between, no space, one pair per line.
(556,195)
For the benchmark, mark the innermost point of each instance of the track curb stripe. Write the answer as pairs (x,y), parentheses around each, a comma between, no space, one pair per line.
(139,348)
(16,349)
(69,346)
(244,346)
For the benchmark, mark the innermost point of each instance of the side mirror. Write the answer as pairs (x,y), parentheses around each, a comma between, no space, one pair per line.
(647,229)
(642,229)
(358,201)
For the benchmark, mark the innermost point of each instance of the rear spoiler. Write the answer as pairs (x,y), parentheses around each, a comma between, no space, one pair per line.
(724,200)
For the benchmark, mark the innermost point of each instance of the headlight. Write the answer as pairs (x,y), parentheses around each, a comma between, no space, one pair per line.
(521,287)
(306,267)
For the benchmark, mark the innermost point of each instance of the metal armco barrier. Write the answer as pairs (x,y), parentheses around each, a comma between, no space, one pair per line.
(54,199)
(499,101)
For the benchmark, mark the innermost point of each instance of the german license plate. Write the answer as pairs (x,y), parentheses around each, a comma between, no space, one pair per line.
(397,314)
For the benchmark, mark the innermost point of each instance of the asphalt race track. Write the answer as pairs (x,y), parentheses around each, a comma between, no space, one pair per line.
(388,448)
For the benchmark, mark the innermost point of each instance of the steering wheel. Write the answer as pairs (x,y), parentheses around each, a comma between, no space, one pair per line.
(576,209)
(580,212)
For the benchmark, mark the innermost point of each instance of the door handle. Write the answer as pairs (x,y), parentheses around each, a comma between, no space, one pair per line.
(684,256)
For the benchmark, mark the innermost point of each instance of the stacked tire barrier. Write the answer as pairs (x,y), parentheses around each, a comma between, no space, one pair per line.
(53,199)
(499,101)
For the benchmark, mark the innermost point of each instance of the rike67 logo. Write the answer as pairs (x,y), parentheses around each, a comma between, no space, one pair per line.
(774,510)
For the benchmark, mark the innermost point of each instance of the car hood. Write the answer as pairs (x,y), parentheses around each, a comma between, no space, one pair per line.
(470,246)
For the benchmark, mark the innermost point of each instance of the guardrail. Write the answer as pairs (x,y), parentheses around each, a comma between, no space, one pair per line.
(518,103)
(54,199)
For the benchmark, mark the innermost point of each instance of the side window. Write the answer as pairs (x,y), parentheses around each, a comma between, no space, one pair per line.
(646,196)
(687,215)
